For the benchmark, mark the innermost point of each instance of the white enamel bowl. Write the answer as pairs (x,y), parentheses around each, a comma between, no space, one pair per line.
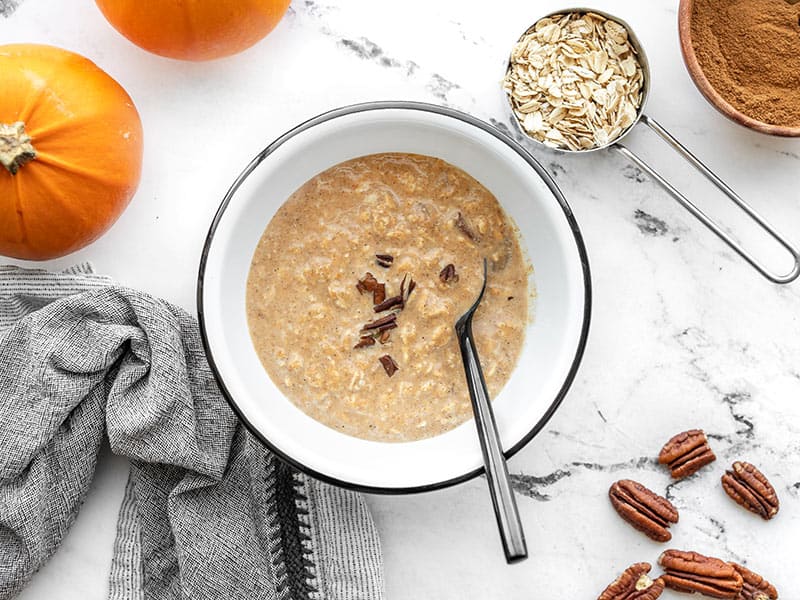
(554,340)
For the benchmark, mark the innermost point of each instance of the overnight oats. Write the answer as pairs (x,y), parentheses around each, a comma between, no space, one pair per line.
(356,285)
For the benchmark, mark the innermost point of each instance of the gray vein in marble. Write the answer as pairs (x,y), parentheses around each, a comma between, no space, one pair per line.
(531,485)
(718,532)
(641,462)
(712,527)
(528,485)
(7,7)
(649,225)
(719,528)
(693,339)
(732,400)
(668,491)
(314,9)
(539,151)
(369,50)
(556,170)
(464,37)
(786,153)
(575,438)
(440,87)
(509,129)
(634,173)
(366,49)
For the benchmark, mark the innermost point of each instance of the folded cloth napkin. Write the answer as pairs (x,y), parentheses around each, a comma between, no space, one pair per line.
(208,511)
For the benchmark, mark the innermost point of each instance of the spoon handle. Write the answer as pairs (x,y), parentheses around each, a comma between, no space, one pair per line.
(505,506)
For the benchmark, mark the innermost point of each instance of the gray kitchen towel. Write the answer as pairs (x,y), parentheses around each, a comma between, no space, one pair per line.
(208,511)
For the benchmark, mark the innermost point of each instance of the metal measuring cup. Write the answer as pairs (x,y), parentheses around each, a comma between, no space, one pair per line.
(680,149)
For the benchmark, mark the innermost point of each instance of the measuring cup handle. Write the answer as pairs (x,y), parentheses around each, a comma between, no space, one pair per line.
(705,219)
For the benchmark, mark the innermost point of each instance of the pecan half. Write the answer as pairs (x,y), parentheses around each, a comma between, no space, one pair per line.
(448,274)
(379,293)
(405,293)
(364,342)
(384,260)
(634,584)
(367,283)
(749,488)
(388,364)
(645,510)
(755,587)
(694,573)
(686,453)
(466,228)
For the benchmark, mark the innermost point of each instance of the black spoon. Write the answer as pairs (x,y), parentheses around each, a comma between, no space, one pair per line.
(505,506)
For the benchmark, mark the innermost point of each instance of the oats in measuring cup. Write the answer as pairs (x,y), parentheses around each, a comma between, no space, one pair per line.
(574,81)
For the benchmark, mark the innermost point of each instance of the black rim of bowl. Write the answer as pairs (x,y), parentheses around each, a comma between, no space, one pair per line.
(470,120)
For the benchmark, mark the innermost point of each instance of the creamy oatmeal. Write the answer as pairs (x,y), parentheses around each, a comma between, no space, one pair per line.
(356,285)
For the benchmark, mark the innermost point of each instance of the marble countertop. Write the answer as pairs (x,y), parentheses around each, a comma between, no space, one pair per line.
(684,334)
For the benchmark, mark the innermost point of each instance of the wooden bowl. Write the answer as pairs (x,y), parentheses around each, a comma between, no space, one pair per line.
(696,72)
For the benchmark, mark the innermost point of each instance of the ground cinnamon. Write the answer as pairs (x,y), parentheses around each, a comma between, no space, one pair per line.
(750,53)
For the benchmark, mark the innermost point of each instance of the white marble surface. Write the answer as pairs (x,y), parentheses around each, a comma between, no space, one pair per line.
(683,335)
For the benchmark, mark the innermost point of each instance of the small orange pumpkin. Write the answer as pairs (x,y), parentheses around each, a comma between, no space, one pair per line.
(71,145)
(194,29)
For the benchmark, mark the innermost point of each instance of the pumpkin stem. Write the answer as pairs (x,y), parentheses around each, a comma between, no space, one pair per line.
(15,146)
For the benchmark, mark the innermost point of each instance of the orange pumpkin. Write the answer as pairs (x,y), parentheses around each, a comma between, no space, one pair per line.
(194,29)
(71,145)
